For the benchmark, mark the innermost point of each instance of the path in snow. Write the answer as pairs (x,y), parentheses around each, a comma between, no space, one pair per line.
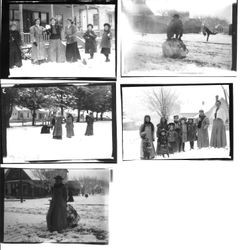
(27,144)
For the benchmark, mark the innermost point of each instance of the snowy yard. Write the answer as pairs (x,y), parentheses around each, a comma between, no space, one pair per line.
(132,144)
(27,144)
(26,222)
(142,55)
(96,67)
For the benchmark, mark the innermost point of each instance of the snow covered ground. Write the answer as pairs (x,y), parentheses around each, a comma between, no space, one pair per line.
(27,144)
(142,55)
(94,68)
(26,222)
(132,144)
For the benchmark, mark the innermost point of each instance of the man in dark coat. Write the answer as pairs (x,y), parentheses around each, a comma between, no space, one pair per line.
(175,28)
(57,214)
(178,129)
(89,121)
(191,132)
(90,41)
(14,47)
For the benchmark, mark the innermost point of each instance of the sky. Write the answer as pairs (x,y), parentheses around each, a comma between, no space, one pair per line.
(195,7)
(192,98)
(101,174)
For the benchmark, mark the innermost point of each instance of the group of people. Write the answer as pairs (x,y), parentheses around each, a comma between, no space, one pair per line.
(61,215)
(58,120)
(56,51)
(172,137)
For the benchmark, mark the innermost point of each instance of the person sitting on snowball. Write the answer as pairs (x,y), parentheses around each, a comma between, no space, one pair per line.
(175,28)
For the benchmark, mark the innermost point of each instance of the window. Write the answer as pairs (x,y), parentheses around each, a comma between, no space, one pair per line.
(96,19)
(110,18)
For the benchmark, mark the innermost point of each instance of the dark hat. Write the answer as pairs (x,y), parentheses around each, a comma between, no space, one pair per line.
(176,15)
(107,24)
(58,177)
(190,119)
(183,119)
(53,18)
(176,116)
(90,25)
(201,110)
(171,124)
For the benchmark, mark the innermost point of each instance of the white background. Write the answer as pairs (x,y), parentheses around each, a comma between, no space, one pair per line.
(192,205)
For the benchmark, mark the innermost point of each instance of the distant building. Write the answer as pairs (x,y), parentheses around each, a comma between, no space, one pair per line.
(24,182)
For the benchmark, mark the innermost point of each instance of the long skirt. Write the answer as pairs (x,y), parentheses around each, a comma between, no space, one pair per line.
(39,52)
(57,132)
(72,52)
(72,216)
(106,51)
(14,56)
(70,130)
(89,130)
(151,152)
(56,52)
(57,217)
(218,136)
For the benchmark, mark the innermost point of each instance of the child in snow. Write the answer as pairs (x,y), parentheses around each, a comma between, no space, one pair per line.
(147,148)
(90,41)
(163,143)
(106,41)
(172,137)
(191,132)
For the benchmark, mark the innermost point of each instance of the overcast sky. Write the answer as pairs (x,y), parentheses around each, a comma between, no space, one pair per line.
(195,7)
(191,98)
(101,174)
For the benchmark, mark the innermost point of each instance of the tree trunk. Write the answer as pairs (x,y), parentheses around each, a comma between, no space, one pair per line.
(33,117)
(101,116)
(78,115)
(61,110)
(97,116)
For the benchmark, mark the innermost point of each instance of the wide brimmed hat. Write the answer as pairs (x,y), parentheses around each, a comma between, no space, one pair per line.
(90,25)
(171,124)
(176,116)
(58,177)
(107,24)
(176,15)
(183,119)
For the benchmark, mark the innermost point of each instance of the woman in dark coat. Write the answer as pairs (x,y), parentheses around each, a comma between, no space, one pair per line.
(72,52)
(56,52)
(70,126)
(172,137)
(147,138)
(106,41)
(14,47)
(90,41)
(160,127)
(89,121)
(191,132)
(58,131)
(202,128)
(57,214)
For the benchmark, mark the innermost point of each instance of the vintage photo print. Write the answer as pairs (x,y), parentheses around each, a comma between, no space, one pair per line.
(56,205)
(169,122)
(63,123)
(178,38)
(60,40)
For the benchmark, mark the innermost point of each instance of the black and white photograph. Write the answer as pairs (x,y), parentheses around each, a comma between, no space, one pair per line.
(56,205)
(168,122)
(64,123)
(173,37)
(62,40)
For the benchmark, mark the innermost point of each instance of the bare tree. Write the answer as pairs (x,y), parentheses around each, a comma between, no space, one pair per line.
(164,102)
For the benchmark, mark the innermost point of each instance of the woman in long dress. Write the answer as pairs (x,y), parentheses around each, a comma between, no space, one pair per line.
(218,135)
(72,53)
(56,52)
(147,137)
(57,214)
(160,127)
(58,131)
(90,122)
(14,47)
(90,41)
(38,54)
(202,130)
(70,126)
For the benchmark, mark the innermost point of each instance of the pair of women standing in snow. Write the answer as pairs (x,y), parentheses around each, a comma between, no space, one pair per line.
(58,130)
(91,43)
(60,214)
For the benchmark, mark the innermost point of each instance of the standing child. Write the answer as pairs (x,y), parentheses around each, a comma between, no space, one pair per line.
(191,132)
(172,137)
(106,41)
(90,41)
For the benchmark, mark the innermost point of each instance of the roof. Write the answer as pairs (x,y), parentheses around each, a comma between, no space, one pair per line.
(33,176)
